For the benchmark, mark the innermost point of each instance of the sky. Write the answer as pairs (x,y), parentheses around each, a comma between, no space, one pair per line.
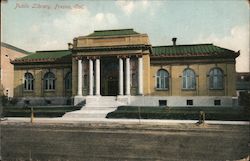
(50,24)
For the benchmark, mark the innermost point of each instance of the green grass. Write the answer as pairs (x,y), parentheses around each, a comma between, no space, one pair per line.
(41,111)
(181,113)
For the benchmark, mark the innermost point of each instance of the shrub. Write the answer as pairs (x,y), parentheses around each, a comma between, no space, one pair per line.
(4,100)
(180,113)
(13,101)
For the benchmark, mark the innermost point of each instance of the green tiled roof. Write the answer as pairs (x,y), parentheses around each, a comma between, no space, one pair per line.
(45,56)
(113,32)
(190,50)
(15,48)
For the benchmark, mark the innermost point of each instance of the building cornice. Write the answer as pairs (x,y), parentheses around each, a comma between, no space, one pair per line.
(113,48)
(191,61)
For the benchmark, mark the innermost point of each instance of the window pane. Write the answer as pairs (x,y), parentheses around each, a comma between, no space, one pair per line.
(53,84)
(28,81)
(162,79)
(189,79)
(166,82)
(158,82)
(32,85)
(216,79)
(25,84)
(184,82)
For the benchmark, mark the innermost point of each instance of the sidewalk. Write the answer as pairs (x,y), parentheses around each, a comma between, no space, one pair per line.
(120,121)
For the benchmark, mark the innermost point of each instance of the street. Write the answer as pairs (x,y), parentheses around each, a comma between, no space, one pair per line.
(93,141)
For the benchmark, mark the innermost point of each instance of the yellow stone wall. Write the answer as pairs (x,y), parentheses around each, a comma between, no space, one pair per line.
(202,80)
(112,40)
(149,80)
(38,74)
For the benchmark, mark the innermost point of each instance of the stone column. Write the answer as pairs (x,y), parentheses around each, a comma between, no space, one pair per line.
(120,76)
(140,76)
(97,77)
(127,76)
(90,77)
(79,89)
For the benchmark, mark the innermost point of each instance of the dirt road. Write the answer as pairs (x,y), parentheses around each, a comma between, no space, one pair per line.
(113,142)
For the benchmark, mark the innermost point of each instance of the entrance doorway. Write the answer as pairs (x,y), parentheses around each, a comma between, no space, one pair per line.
(109,76)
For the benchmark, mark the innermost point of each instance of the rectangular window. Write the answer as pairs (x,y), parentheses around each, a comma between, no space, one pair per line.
(48,102)
(190,102)
(162,102)
(217,102)
(27,102)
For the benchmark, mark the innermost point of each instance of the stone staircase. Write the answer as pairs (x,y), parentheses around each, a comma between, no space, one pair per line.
(95,107)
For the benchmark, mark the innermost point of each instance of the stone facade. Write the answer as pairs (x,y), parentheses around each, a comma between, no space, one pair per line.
(38,72)
(202,80)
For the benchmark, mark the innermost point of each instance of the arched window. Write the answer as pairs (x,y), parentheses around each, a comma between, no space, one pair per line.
(28,82)
(216,78)
(162,79)
(49,81)
(68,81)
(189,81)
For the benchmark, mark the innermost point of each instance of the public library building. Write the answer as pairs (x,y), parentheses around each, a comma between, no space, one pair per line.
(122,65)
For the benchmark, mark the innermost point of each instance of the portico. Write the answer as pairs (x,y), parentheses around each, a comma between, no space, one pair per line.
(99,79)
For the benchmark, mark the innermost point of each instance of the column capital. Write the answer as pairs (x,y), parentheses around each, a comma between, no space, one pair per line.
(122,56)
(93,57)
(139,55)
(77,57)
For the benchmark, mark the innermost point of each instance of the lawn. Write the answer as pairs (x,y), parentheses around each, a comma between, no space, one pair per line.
(181,113)
(39,111)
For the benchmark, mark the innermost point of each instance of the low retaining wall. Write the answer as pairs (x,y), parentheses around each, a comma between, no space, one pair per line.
(182,101)
(136,100)
(43,101)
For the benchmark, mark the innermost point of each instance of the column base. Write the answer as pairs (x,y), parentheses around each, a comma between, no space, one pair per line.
(92,100)
(79,101)
(125,99)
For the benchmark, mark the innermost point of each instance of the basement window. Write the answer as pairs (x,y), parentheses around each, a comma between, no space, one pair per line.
(27,102)
(48,102)
(190,102)
(162,102)
(217,102)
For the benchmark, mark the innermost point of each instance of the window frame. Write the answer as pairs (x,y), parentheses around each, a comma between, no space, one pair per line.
(28,84)
(186,77)
(162,79)
(190,102)
(217,102)
(68,79)
(49,81)
(219,78)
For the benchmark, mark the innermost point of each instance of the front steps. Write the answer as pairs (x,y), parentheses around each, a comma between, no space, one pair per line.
(97,107)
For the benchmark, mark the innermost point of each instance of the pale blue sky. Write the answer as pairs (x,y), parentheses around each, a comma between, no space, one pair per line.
(222,22)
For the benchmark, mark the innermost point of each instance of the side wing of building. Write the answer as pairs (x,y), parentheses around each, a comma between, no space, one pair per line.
(42,76)
(9,53)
